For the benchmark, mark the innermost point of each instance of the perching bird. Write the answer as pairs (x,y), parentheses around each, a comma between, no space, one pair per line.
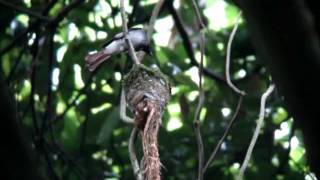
(118,45)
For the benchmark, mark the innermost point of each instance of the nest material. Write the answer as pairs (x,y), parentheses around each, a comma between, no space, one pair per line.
(142,86)
(147,93)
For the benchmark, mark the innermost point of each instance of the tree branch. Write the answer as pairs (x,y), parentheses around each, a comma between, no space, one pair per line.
(39,139)
(125,32)
(54,22)
(196,120)
(73,102)
(256,132)
(154,15)
(152,21)
(24,10)
(188,46)
(48,109)
(235,89)
(16,64)
(133,158)
(196,125)
(30,28)
(226,132)
(227,70)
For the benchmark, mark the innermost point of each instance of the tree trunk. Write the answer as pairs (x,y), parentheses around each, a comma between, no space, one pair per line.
(15,152)
(285,36)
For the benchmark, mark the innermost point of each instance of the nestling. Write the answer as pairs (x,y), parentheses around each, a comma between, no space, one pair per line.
(118,45)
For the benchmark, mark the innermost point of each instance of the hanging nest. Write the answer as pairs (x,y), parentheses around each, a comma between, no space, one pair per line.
(147,93)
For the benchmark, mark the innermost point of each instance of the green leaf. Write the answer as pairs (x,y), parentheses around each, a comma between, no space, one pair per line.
(279,116)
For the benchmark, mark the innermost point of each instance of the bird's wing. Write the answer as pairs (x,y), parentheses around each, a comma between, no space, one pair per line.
(116,37)
(119,36)
(134,29)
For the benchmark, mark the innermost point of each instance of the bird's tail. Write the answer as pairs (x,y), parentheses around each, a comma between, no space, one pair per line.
(95,59)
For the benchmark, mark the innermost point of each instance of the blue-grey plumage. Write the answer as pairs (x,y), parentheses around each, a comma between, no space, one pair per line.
(118,45)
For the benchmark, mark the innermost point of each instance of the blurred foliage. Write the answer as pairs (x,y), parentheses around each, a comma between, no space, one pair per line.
(81,128)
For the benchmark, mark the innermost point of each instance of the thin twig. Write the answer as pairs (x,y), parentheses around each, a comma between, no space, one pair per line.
(48,109)
(227,70)
(196,124)
(153,18)
(152,21)
(256,132)
(73,102)
(241,94)
(65,158)
(24,10)
(188,46)
(196,120)
(30,28)
(39,138)
(17,39)
(16,64)
(38,51)
(132,153)
(226,132)
(199,19)
(48,159)
(133,157)
(125,32)
(54,22)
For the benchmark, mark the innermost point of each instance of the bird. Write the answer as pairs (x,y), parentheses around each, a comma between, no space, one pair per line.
(117,45)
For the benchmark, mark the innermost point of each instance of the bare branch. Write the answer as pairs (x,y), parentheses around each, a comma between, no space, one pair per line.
(125,32)
(152,21)
(256,132)
(227,70)
(35,59)
(153,18)
(29,29)
(187,44)
(196,120)
(226,132)
(17,39)
(24,10)
(133,157)
(196,124)
(199,19)
(54,22)
(39,138)
(59,117)
(235,89)
(48,109)
(16,64)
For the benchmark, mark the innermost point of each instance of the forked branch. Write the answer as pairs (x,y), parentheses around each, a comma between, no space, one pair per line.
(125,32)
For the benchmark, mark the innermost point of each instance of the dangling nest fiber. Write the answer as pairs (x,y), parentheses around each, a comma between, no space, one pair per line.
(147,93)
